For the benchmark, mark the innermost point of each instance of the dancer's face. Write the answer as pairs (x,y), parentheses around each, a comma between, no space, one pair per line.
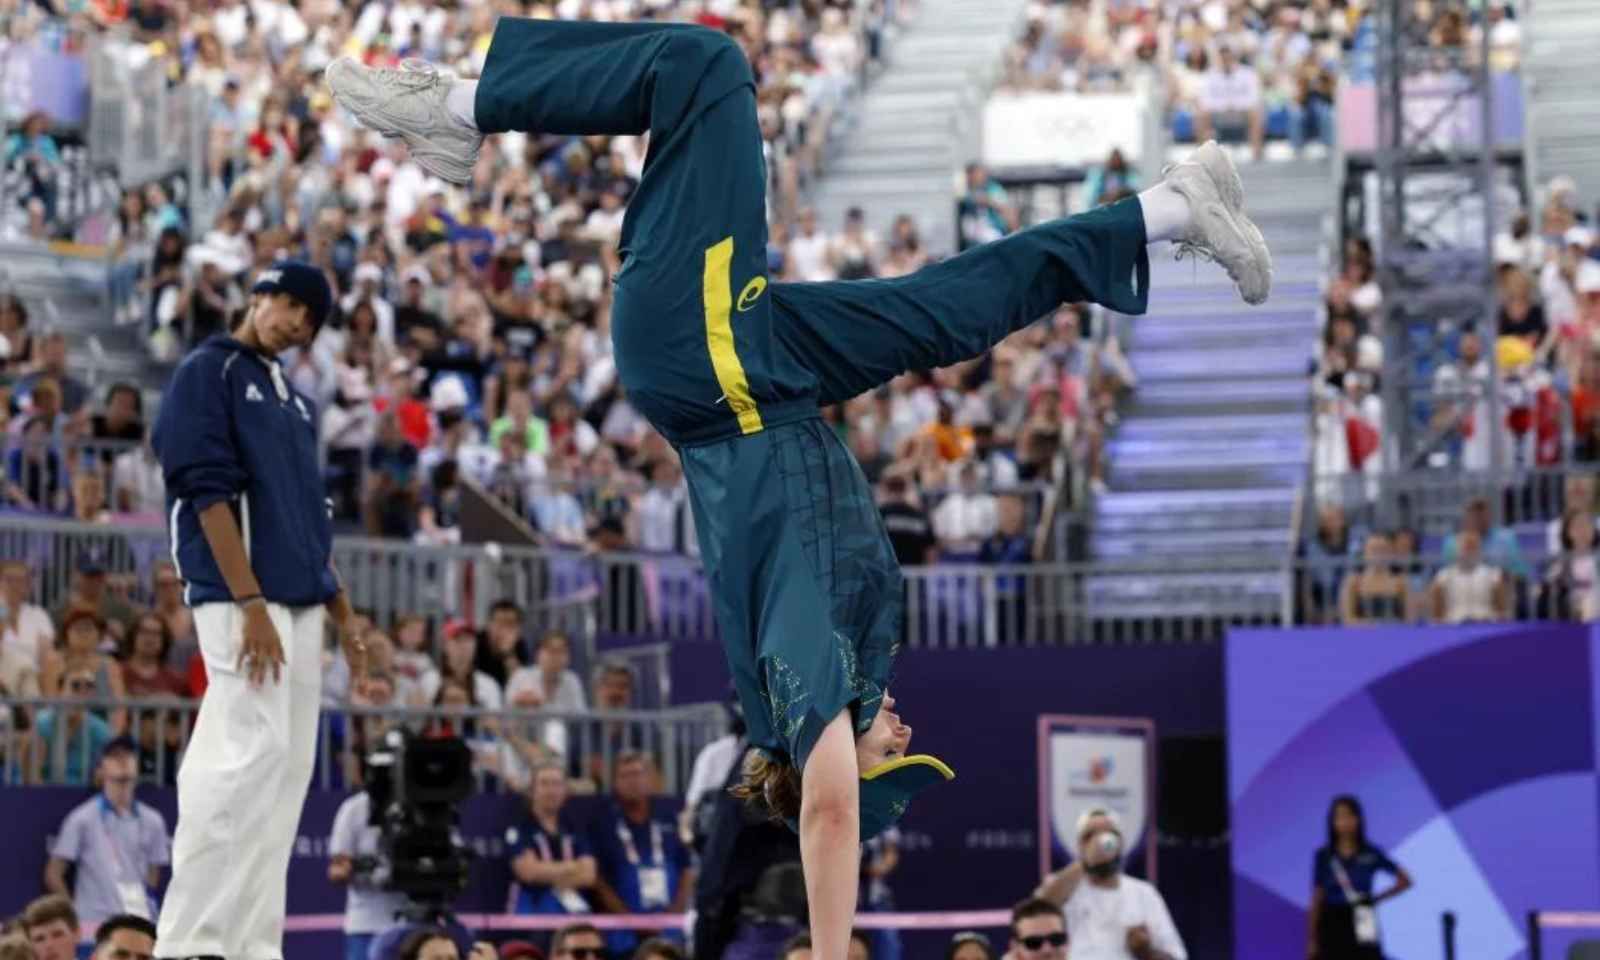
(887,738)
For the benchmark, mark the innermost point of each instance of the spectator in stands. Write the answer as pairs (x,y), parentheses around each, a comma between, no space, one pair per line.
(179,619)
(1094,888)
(413,658)
(19,677)
(35,152)
(1469,590)
(1038,931)
(1325,562)
(52,927)
(809,247)
(367,730)
(1500,545)
(1578,491)
(659,516)
(578,941)
(393,482)
(122,421)
(906,254)
(549,683)
(125,936)
(138,482)
(368,910)
(26,624)
(1572,578)
(557,514)
(53,366)
(1343,886)
(644,867)
(1231,107)
(910,532)
(16,343)
(969,945)
(36,478)
(966,517)
(91,590)
(84,631)
(985,213)
(1520,316)
(459,661)
(853,254)
(503,651)
(551,864)
(144,660)
(657,948)
(115,844)
(89,495)
(349,426)
(1377,592)
(880,857)
(1110,181)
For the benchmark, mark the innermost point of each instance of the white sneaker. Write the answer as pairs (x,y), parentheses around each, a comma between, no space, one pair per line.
(1219,229)
(409,103)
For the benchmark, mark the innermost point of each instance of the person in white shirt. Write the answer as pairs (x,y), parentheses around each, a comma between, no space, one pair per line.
(1110,915)
(137,482)
(549,685)
(1578,493)
(368,911)
(1231,103)
(27,625)
(966,517)
(1469,590)
(809,250)
(658,515)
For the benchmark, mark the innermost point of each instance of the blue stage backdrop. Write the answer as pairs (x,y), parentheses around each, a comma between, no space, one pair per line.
(1473,750)
(971,844)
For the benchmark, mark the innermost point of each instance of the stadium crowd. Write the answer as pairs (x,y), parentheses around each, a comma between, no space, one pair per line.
(1546,378)
(472,335)
(1243,72)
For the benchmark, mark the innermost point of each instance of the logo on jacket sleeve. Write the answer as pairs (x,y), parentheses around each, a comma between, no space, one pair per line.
(751,293)
(252,394)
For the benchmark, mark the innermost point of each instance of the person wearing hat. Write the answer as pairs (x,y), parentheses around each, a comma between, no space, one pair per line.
(117,845)
(731,369)
(252,542)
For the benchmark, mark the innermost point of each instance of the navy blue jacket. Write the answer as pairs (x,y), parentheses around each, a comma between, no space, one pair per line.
(225,433)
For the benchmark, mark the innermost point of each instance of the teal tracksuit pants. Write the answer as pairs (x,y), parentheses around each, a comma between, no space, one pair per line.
(731,368)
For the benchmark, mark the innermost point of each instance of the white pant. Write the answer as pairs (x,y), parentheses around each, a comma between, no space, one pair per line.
(241,787)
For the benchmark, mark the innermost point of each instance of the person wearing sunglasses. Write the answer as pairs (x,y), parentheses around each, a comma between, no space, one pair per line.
(1110,915)
(1038,931)
(117,845)
(68,738)
(578,941)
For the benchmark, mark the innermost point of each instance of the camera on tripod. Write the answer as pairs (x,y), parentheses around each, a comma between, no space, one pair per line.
(416,786)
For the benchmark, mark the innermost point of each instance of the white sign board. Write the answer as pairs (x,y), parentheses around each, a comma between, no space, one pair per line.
(1091,763)
(1061,129)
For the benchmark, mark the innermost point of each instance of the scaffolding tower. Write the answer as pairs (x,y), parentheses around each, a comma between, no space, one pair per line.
(1437,197)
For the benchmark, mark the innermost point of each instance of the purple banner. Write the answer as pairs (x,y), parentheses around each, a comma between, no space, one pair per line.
(1473,750)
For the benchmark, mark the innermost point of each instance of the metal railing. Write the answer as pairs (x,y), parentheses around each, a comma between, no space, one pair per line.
(505,743)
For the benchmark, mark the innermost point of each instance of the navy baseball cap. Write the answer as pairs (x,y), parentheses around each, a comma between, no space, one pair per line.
(301,281)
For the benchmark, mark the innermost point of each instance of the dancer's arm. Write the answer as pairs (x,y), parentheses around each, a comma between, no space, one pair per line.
(830,837)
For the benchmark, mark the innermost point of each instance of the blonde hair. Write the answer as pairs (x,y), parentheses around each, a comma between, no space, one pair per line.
(770,783)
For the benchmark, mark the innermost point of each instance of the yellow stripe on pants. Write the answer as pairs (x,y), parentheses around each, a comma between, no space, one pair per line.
(719,337)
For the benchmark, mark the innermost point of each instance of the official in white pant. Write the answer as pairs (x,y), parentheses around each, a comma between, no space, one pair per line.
(252,540)
(240,789)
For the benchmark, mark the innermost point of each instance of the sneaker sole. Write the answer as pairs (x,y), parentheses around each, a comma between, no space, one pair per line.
(443,171)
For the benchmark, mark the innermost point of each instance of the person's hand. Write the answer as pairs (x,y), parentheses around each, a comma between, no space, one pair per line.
(528,699)
(355,654)
(1139,941)
(483,950)
(261,648)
